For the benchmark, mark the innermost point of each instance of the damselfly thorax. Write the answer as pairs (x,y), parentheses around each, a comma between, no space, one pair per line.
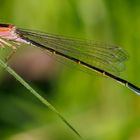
(7,33)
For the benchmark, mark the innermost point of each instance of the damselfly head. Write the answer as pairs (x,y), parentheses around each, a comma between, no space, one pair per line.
(5,27)
(7,31)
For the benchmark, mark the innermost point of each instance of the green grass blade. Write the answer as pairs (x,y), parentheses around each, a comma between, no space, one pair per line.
(38,96)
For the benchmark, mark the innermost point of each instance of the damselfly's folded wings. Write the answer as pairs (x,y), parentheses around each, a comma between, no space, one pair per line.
(107,57)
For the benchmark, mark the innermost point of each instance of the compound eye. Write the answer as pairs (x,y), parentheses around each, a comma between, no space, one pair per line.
(4,25)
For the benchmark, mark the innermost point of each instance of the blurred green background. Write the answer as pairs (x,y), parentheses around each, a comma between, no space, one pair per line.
(98,107)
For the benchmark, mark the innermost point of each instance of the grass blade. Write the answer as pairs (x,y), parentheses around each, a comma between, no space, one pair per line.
(38,96)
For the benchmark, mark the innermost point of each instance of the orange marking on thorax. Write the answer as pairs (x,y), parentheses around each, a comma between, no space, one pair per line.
(4,29)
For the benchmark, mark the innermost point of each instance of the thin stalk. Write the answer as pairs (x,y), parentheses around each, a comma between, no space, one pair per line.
(38,96)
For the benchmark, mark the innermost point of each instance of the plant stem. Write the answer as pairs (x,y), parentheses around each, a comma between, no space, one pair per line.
(38,96)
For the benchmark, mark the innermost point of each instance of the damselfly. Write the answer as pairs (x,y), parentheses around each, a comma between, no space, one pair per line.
(100,57)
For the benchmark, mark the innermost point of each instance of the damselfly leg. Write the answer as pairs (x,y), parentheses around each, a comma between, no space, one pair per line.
(3,44)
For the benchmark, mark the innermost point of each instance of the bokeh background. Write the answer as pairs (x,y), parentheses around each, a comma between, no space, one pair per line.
(98,107)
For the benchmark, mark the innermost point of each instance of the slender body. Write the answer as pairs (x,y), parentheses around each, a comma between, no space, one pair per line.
(100,57)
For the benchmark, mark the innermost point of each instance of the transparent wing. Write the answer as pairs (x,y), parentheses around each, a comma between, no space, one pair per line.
(107,57)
